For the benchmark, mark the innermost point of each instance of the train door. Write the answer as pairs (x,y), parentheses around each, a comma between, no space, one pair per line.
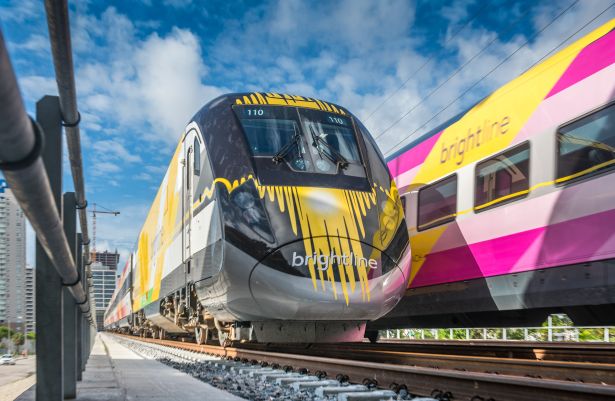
(187,201)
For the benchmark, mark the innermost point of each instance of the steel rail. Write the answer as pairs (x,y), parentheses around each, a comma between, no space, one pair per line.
(559,352)
(419,380)
(27,177)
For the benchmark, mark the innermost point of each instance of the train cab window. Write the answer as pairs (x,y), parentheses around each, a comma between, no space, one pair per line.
(292,139)
(502,178)
(586,145)
(273,133)
(437,203)
(334,144)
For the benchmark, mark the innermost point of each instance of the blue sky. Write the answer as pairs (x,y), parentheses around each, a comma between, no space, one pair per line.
(143,68)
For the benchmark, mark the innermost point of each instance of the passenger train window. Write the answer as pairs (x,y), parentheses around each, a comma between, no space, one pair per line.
(197,157)
(437,203)
(586,145)
(503,177)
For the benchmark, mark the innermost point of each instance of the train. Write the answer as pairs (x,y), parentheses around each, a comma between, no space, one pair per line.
(277,221)
(510,205)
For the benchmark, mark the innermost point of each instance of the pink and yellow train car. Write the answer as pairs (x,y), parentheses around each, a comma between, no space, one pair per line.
(510,205)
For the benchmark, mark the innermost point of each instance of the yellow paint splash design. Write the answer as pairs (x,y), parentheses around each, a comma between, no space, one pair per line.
(330,222)
(278,99)
(156,237)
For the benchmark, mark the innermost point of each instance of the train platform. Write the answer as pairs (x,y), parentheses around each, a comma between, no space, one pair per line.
(115,373)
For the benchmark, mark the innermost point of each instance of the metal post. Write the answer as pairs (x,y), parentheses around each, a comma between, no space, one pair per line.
(525,334)
(504,335)
(484,334)
(606,335)
(550,328)
(69,220)
(49,355)
(81,322)
(467,334)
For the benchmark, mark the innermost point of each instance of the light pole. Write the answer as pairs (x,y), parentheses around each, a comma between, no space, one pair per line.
(8,324)
(24,337)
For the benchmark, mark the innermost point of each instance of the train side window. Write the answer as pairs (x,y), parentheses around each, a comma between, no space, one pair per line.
(197,157)
(437,203)
(502,178)
(586,145)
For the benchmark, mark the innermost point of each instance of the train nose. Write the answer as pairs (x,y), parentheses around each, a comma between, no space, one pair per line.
(321,278)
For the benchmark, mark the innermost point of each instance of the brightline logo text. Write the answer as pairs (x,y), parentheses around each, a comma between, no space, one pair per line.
(323,262)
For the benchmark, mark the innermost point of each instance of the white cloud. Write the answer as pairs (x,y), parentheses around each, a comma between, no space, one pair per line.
(20,10)
(153,85)
(143,176)
(103,168)
(114,150)
(35,87)
(170,72)
(35,43)
(177,3)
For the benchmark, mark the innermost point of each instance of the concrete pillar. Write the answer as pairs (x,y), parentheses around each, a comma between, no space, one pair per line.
(49,355)
(69,220)
(550,328)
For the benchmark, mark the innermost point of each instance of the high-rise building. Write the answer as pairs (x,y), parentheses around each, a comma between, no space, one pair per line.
(30,304)
(104,284)
(13,273)
(109,259)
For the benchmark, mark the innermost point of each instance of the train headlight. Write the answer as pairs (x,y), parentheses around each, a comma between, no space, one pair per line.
(244,200)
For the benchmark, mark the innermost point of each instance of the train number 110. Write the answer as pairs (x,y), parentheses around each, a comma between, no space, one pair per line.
(256,112)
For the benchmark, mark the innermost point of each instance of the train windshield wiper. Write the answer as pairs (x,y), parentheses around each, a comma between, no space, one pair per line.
(332,154)
(278,157)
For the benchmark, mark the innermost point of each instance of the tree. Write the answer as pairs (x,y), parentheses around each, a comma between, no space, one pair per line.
(4,332)
(31,336)
(18,339)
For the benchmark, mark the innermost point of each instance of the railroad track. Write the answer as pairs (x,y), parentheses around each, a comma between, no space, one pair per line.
(555,351)
(465,377)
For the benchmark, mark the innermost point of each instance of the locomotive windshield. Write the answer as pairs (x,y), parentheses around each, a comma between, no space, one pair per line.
(303,140)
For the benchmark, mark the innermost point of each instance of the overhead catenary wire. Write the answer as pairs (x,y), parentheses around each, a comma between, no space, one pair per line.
(451,76)
(559,15)
(413,74)
(571,36)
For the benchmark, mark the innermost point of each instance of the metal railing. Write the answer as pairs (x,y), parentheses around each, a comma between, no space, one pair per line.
(20,159)
(66,322)
(539,333)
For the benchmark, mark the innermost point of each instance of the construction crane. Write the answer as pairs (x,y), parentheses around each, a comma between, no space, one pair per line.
(94,212)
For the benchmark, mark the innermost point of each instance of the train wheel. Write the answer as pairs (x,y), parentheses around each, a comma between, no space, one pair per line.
(200,335)
(372,336)
(223,338)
